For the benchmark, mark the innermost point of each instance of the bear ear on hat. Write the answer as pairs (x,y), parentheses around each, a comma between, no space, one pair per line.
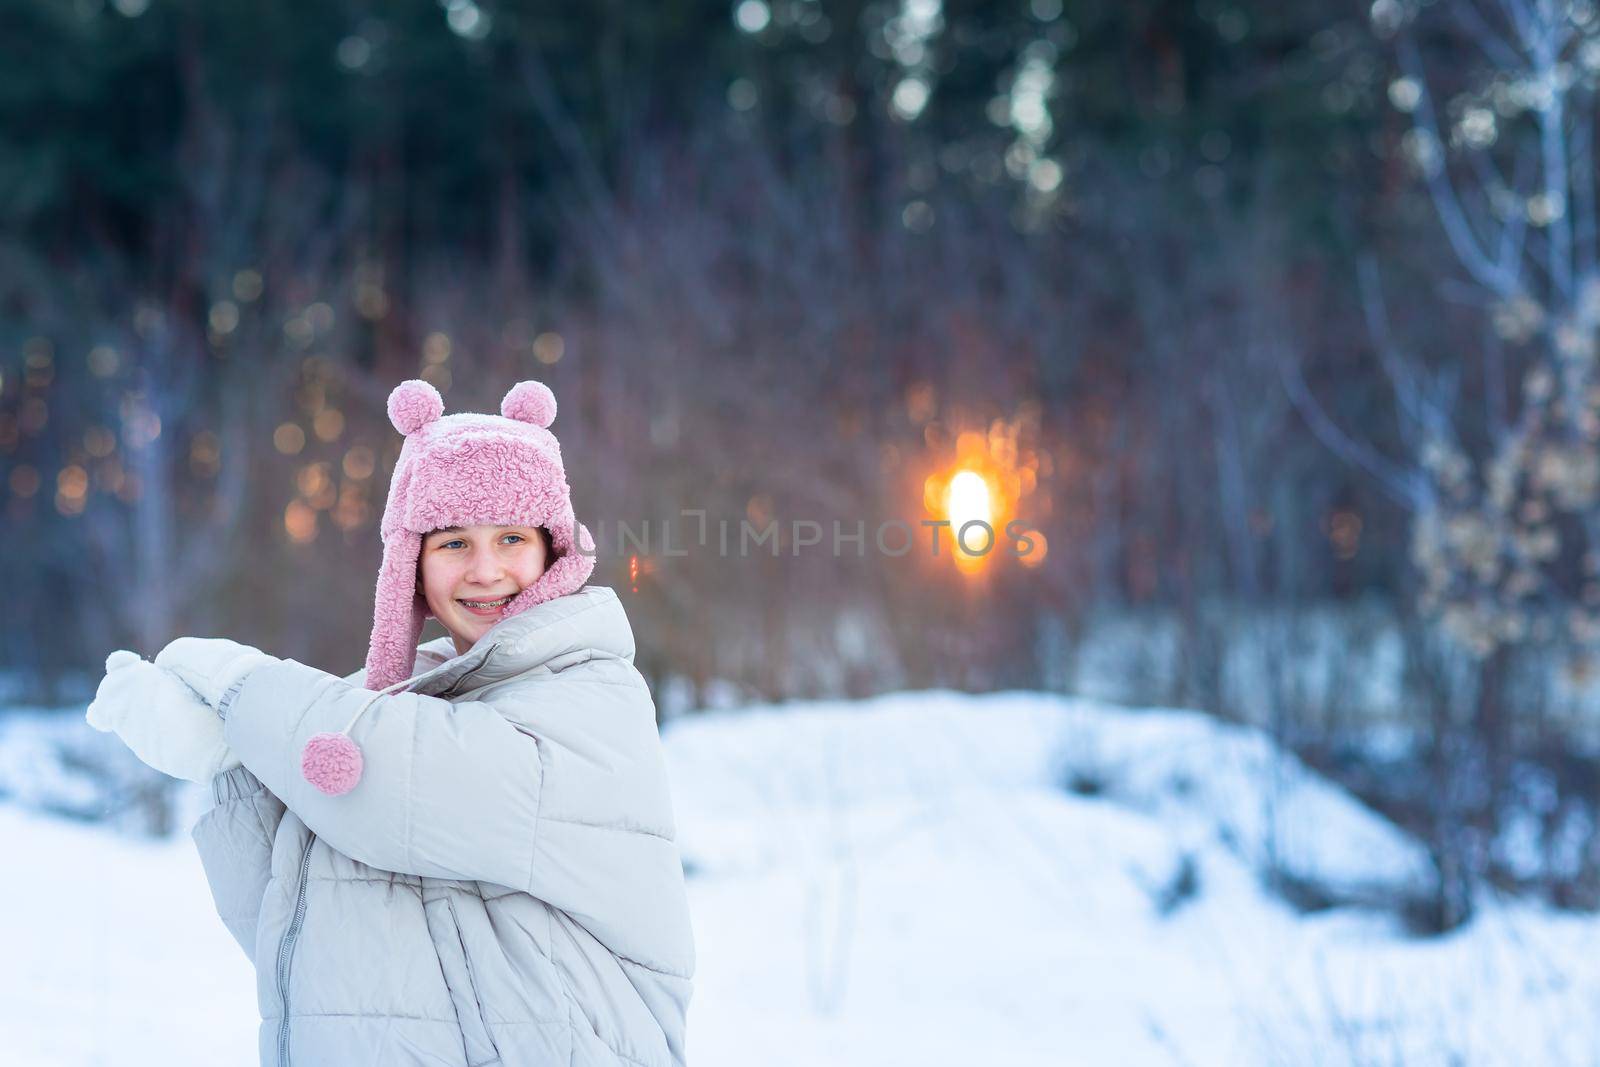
(530,401)
(413,405)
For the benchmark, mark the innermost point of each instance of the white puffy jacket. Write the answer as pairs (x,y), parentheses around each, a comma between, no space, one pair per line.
(501,887)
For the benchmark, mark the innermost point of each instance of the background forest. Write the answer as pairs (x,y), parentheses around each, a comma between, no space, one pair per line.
(1274,323)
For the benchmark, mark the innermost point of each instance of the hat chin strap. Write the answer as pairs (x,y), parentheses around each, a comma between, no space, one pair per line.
(332,761)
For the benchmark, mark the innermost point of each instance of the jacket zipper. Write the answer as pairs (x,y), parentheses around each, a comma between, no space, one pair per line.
(286,946)
(455,686)
(286,951)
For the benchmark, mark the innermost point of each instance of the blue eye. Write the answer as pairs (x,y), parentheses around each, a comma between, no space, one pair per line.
(457,540)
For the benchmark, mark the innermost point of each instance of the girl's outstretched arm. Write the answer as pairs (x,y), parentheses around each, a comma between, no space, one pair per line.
(556,787)
(447,790)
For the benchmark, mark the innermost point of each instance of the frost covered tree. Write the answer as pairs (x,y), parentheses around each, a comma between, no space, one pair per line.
(1505,536)
(1500,468)
(1504,494)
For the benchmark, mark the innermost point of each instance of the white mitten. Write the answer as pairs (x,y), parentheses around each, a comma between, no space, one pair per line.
(161,719)
(105,712)
(210,665)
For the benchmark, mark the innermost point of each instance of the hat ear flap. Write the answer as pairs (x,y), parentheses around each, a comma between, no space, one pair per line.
(398,613)
(413,405)
(530,402)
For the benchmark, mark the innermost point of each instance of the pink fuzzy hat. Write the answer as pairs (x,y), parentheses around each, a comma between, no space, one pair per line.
(463,470)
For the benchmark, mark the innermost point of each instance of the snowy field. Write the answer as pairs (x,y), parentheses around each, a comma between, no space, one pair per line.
(925,878)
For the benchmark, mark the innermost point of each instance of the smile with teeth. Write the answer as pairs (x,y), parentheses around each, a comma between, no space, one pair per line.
(485,605)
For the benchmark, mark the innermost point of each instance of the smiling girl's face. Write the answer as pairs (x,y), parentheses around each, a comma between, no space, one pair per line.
(467,573)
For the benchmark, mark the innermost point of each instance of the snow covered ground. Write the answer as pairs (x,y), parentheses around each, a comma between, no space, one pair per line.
(924,878)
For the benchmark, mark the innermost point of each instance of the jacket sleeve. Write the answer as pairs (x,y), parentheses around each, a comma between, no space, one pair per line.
(234,839)
(447,790)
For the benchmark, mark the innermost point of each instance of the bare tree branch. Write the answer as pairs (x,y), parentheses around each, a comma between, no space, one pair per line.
(1401,485)
(1458,230)
(1495,47)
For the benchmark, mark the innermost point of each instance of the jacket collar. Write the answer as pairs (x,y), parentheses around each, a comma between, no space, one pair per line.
(592,619)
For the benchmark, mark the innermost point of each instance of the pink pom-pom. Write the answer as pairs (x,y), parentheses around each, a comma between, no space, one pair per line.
(530,402)
(413,405)
(332,763)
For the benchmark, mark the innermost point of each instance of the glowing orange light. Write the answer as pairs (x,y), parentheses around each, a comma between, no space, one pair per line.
(991,477)
(968,499)
(1035,554)
(300,522)
(972,498)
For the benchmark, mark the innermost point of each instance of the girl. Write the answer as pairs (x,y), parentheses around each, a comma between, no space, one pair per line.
(463,854)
